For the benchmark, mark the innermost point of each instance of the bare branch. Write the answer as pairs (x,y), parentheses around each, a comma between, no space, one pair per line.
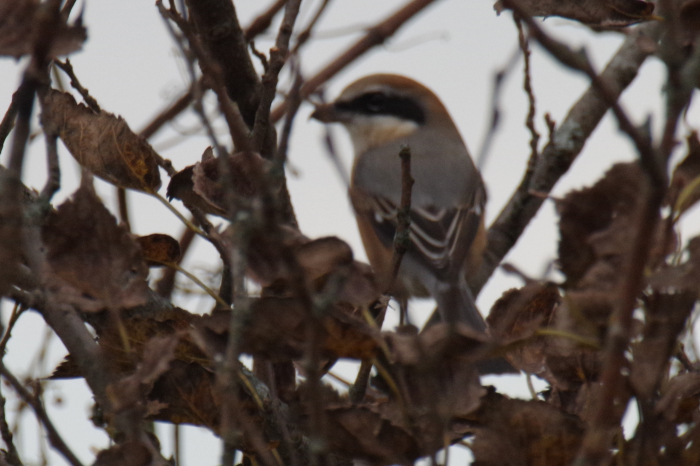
(217,26)
(89,100)
(54,437)
(8,121)
(376,35)
(263,130)
(264,20)
(562,149)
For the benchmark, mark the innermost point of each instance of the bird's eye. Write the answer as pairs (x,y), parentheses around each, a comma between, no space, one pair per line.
(374,102)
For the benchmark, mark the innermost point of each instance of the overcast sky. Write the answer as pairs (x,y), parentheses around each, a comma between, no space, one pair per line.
(131,66)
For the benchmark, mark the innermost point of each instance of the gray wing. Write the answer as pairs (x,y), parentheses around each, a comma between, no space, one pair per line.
(440,236)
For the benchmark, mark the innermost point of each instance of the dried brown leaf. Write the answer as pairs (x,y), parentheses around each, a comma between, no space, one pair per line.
(20,29)
(517,315)
(159,249)
(129,453)
(603,13)
(157,354)
(91,261)
(102,143)
(278,330)
(517,432)
(597,228)
(200,185)
(438,367)
(684,190)
(363,433)
(187,394)
(680,398)
(665,318)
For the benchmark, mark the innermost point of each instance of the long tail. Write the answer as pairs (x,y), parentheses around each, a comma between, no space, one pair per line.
(455,304)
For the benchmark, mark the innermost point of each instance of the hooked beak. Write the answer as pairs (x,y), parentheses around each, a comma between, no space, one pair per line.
(326,113)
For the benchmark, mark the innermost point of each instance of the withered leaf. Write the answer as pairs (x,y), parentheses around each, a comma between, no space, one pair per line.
(159,249)
(517,432)
(10,228)
(680,398)
(684,190)
(438,367)
(597,227)
(517,315)
(361,432)
(665,319)
(603,13)
(187,394)
(157,354)
(278,330)
(324,262)
(129,453)
(92,262)
(21,24)
(101,142)
(200,185)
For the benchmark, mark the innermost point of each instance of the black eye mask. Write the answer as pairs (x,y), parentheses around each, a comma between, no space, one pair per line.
(379,103)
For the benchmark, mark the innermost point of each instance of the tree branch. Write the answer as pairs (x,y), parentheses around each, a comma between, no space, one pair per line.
(376,35)
(54,437)
(566,143)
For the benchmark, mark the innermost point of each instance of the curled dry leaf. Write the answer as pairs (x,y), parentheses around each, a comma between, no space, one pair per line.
(360,432)
(21,26)
(517,432)
(132,453)
(92,262)
(680,398)
(278,330)
(156,357)
(13,196)
(101,142)
(159,249)
(684,190)
(602,13)
(666,315)
(517,315)
(597,227)
(200,185)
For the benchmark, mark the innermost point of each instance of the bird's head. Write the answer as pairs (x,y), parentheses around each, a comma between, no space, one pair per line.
(381,108)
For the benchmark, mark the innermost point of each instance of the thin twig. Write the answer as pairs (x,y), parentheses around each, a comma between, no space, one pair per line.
(402,241)
(294,99)
(278,57)
(53,180)
(527,86)
(89,100)
(561,150)
(123,207)
(579,61)
(54,437)
(375,35)
(264,20)
(12,456)
(305,35)
(17,311)
(183,101)
(164,287)
(498,80)
(237,127)
(8,121)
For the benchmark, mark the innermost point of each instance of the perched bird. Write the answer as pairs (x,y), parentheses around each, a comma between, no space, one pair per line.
(382,113)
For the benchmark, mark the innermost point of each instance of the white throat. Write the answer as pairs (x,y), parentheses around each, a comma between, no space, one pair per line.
(369,131)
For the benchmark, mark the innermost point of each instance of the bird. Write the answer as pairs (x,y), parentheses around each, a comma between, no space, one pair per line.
(383,113)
